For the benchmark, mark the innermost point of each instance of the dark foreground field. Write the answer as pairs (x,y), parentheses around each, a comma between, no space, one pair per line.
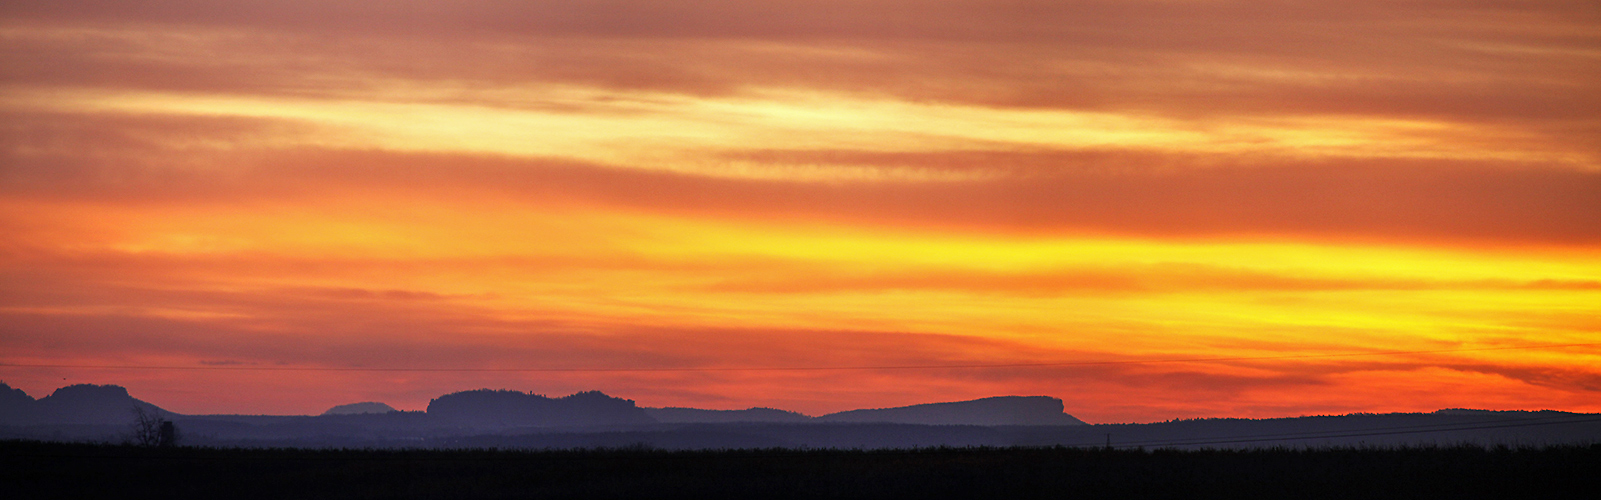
(65,470)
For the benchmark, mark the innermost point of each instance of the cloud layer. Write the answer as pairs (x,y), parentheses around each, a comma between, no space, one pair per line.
(689,187)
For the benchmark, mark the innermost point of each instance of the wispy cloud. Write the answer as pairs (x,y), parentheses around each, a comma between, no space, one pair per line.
(714,184)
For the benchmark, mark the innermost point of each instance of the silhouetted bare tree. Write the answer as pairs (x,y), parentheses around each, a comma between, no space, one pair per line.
(152,430)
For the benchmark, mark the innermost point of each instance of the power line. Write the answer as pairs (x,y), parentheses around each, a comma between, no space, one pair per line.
(791,368)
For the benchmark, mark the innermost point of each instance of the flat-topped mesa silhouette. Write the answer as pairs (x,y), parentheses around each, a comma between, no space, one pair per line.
(360,409)
(486,418)
(1001,410)
(674,415)
(505,408)
(74,404)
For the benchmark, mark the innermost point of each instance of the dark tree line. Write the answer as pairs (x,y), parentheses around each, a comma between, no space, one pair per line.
(80,470)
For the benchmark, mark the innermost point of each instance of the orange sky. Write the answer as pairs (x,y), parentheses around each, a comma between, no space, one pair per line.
(714,203)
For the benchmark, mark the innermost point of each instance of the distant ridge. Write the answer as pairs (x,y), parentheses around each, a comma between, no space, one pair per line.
(14,404)
(505,408)
(674,415)
(360,409)
(1469,411)
(1002,410)
(503,418)
(994,411)
(499,409)
(74,404)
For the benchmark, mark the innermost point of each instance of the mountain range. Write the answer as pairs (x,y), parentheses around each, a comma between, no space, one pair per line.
(502,409)
(512,419)
(82,404)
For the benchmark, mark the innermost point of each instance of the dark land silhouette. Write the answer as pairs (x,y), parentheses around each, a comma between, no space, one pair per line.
(699,416)
(487,409)
(82,404)
(360,408)
(32,469)
(1003,410)
(510,419)
(506,444)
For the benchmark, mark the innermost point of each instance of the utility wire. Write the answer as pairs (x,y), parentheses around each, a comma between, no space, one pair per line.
(792,368)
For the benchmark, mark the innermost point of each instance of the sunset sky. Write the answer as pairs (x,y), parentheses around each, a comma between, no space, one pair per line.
(1152,209)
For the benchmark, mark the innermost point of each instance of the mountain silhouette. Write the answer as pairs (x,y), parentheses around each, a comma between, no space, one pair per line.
(360,409)
(673,415)
(504,408)
(503,418)
(14,404)
(74,404)
(1002,410)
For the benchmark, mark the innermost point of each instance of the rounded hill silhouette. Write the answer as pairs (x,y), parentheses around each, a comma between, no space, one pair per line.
(360,409)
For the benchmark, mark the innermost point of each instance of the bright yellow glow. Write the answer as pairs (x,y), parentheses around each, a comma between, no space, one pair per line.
(557,200)
(670,132)
(1055,291)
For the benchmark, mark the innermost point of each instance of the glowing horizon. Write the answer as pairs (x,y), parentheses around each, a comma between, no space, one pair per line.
(700,186)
